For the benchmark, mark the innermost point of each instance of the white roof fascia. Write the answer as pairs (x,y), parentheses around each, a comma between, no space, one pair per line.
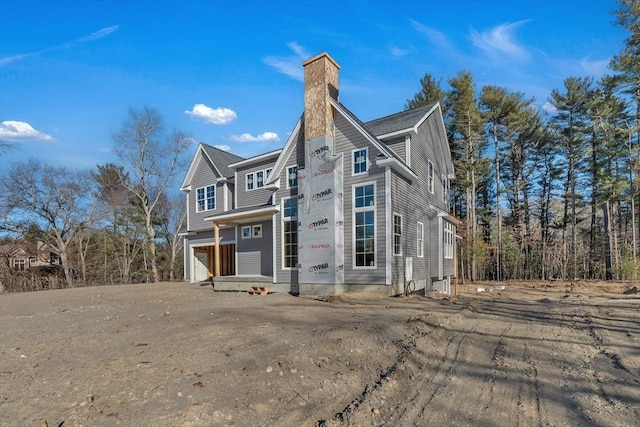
(192,167)
(194,164)
(446,215)
(231,216)
(398,133)
(398,167)
(255,159)
(413,129)
(383,149)
(284,156)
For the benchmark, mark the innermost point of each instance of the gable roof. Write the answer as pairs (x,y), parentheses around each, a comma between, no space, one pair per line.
(400,123)
(285,153)
(219,159)
(391,158)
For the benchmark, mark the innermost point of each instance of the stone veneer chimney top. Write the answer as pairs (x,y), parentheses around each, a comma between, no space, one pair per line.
(320,84)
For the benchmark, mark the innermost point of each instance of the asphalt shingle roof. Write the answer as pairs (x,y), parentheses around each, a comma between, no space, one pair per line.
(222,159)
(398,121)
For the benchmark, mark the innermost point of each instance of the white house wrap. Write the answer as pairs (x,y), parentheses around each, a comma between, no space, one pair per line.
(320,215)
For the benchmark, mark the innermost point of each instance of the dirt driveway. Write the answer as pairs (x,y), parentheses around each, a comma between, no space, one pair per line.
(174,354)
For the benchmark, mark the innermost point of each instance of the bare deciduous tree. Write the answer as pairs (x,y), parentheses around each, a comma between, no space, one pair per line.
(56,198)
(151,161)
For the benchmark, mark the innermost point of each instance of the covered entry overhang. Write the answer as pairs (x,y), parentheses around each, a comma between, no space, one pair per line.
(233,218)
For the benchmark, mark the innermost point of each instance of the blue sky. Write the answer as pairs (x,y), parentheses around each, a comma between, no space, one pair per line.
(230,74)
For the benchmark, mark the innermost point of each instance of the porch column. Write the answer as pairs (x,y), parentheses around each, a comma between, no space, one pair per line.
(216,249)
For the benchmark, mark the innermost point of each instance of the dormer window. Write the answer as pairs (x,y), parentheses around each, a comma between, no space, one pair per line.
(249,181)
(260,179)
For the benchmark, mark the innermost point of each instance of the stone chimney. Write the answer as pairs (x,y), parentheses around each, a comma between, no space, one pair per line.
(320,83)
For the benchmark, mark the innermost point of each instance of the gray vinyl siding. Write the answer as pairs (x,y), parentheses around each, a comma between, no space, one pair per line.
(257,196)
(295,157)
(429,136)
(254,255)
(398,146)
(408,201)
(204,176)
(348,138)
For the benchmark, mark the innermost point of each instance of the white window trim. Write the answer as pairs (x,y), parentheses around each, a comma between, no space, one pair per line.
(287,176)
(420,240)
(431,176)
(448,234)
(355,210)
(287,219)
(254,174)
(407,149)
(263,172)
(245,227)
(204,188)
(444,188)
(353,159)
(258,228)
(393,249)
(253,181)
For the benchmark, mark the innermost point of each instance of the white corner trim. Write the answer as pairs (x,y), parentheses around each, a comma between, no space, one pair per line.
(389,225)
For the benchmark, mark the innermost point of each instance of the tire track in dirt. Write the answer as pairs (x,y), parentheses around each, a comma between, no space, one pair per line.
(529,392)
(412,366)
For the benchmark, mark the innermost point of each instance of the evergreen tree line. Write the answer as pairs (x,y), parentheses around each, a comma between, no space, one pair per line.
(118,223)
(547,195)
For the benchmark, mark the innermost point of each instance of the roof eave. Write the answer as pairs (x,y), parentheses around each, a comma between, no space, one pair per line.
(238,216)
(412,130)
(255,159)
(398,167)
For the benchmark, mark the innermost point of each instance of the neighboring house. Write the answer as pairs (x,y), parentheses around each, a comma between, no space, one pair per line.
(343,206)
(22,255)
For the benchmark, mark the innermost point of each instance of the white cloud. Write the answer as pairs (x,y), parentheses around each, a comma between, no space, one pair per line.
(596,68)
(397,51)
(500,40)
(15,131)
(223,147)
(436,37)
(217,116)
(290,65)
(68,45)
(98,34)
(263,137)
(549,108)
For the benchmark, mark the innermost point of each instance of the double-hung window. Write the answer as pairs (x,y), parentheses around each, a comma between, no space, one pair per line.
(360,161)
(445,185)
(259,179)
(447,238)
(292,176)
(364,225)
(290,233)
(430,182)
(397,234)
(250,177)
(420,240)
(206,198)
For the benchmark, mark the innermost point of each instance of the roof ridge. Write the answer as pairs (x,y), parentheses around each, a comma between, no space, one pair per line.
(411,110)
